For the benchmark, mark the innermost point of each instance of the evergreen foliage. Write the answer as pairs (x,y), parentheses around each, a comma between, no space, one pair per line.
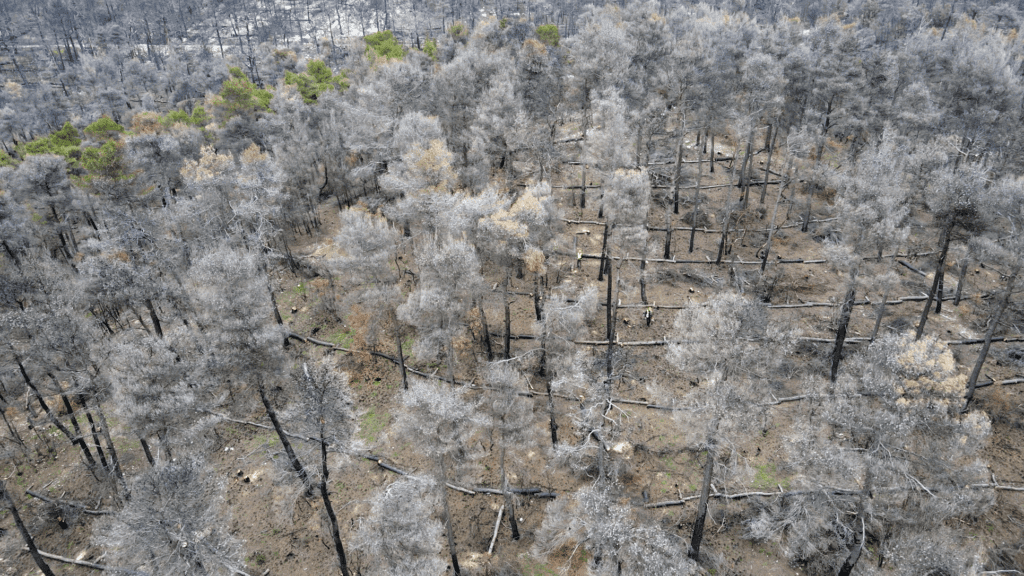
(316,79)
(384,45)
(104,128)
(64,143)
(197,118)
(548,34)
(238,95)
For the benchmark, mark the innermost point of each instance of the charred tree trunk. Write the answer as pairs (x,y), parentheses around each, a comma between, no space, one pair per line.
(947,235)
(993,323)
(401,356)
(711,155)
(537,297)
(771,226)
(507,343)
(744,180)
(774,134)
(55,421)
(879,315)
(487,333)
(844,322)
(147,452)
(960,281)
(552,425)
(604,254)
(508,495)
(156,319)
(847,568)
(610,326)
(447,519)
(105,430)
(325,496)
(29,542)
(292,458)
(702,508)
(696,198)
(583,190)
(677,177)
(725,236)
(78,431)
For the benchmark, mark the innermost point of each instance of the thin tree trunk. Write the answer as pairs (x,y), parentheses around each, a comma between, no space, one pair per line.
(508,495)
(487,334)
(993,323)
(844,322)
(450,353)
(677,177)
(807,210)
(744,179)
(947,235)
(643,277)
(879,315)
(292,458)
(768,163)
(725,235)
(537,297)
(583,189)
(851,560)
(702,508)
(55,421)
(771,225)
(43,567)
(401,357)
(156,320)
(146,451)
(508,318)
(941,274)
(711,155)
(447,519)
(273,302)
(960,281)
(609,326)
(552,424)
(325,496)
(14,432)
(604,253)
(78,429)
(105,430)
(696,198)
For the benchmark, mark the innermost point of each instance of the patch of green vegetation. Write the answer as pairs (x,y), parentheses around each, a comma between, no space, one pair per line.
(458,31)
(258,559)
(343,338)
(105,127)
(531,567)
(301,290)
(106,161)
(372,424)
(548,34)
(197,118)
(317,79)
(238,95)
(384,45)
(6,160)
(430,48)
(767,478)
(64,142)
(407,346)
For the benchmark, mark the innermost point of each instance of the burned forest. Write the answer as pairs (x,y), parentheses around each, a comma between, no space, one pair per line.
(527,288)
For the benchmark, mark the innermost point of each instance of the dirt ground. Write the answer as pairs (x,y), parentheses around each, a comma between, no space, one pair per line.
(284,533)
